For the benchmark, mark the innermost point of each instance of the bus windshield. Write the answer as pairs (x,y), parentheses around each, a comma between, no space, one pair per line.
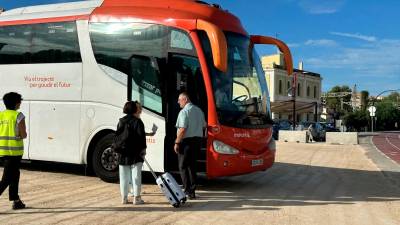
(240,94)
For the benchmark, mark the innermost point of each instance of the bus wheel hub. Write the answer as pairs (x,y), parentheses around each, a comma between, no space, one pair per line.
(109,159)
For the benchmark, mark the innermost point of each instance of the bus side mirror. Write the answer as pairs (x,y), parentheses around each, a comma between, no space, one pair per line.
(257,39)
(218,42)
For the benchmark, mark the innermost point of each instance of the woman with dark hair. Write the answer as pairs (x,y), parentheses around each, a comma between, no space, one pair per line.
(131,161)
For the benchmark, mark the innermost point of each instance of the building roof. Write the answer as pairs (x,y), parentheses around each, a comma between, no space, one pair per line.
(297,71)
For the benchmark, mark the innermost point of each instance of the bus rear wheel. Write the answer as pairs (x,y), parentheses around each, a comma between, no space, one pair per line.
(105,160)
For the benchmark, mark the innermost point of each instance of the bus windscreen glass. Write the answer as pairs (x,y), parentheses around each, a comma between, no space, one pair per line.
(239,96)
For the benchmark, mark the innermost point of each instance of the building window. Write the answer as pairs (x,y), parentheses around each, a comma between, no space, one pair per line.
(298,90)
(280,87)
(308,91)
(315,91)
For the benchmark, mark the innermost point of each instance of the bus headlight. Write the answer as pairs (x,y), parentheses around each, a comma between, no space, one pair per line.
(272,145)
(223,148)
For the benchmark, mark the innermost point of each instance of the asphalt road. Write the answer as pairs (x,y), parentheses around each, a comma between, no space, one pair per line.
(309,184)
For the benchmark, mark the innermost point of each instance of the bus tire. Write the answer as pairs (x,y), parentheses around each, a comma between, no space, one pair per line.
(105,160)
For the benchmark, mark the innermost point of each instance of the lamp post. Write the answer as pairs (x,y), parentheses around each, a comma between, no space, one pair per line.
(372,110)
(294,83)
(376,97)
(294,108)
(316,111)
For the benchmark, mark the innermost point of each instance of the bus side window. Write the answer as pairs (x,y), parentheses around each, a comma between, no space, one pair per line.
(39,43)
(15,44)
(55,43)
(145,76)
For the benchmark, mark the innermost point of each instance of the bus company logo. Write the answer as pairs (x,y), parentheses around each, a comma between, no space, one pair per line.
(241,135)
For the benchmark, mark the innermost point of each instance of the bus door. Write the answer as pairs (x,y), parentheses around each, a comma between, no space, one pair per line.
(145,75)
(184,74)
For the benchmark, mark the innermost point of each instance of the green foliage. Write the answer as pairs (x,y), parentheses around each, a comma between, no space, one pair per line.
(335,103)
(356,120)
(387,114)
(393,97)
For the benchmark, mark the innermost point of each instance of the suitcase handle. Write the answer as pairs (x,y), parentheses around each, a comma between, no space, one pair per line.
(151,169)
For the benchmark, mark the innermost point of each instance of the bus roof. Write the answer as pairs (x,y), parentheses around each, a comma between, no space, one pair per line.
(49,13)
(181,13)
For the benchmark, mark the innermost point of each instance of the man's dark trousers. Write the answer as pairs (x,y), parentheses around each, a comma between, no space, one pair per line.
(187,157)
(11,176)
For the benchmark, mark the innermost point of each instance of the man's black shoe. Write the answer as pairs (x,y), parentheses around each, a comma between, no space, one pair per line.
(191,196)
(18,204)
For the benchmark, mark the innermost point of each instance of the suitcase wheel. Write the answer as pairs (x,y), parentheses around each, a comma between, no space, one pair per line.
(176,205)
(183,201)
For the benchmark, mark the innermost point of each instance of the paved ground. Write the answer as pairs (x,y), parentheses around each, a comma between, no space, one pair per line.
(389,144)
(309,184)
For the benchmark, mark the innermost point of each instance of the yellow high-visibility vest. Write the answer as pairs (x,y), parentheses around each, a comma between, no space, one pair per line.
(10,143)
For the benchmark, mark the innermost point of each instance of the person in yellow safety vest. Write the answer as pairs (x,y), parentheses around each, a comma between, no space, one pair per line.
(12,131)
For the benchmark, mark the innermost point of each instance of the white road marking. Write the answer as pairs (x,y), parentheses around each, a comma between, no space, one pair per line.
(394,146)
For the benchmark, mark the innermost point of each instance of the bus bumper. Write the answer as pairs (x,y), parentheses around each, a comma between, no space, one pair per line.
(219,165)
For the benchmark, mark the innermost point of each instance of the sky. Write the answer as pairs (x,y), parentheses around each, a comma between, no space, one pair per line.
(348,42)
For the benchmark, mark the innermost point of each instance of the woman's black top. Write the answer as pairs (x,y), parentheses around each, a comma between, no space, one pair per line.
(136,143)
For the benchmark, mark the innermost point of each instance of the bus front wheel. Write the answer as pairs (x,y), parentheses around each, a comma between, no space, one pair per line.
(105,160)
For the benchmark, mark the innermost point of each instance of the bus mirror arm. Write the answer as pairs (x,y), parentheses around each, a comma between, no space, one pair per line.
(219,46)
(257,39)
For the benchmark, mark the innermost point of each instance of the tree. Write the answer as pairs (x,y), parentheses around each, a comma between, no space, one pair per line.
(394,98)
(336,103)
(364,99)
(388,112)
(356,120)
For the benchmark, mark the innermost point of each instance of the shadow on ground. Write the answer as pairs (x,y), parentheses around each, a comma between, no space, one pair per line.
(283,185)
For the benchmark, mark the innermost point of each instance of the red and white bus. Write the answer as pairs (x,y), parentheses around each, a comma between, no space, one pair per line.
(77,63)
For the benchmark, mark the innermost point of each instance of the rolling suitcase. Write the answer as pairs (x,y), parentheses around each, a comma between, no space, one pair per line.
(169,187)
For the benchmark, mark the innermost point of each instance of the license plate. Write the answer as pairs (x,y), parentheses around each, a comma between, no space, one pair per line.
(257,162)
